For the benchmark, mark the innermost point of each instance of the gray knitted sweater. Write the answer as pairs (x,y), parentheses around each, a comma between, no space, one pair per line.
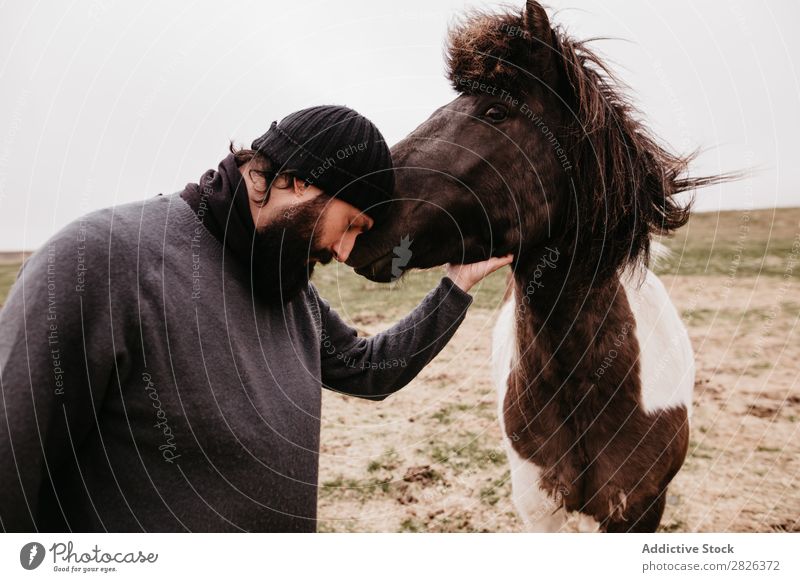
(143,389)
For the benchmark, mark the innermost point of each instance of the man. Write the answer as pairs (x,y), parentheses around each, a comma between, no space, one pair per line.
(161,361)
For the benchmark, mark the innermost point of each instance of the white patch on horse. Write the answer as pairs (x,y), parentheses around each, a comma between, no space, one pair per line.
(666,359)
(504,346)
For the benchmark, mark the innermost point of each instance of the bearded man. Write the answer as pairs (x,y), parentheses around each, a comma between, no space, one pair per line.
(161,361)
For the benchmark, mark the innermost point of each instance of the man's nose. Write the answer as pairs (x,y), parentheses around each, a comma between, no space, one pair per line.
(342,250)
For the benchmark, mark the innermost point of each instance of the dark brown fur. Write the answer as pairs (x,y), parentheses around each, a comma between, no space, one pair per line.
(622,180)
(596,187)
(601,454)
(573,408)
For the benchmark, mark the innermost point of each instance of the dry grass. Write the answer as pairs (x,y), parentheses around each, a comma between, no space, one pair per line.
(429,457)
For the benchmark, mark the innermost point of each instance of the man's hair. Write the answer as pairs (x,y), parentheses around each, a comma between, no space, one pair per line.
(265,167)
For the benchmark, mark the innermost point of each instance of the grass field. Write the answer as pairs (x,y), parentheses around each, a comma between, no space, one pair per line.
(7,275)
(429,458)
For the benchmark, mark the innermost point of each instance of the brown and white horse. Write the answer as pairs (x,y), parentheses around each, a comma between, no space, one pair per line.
(542,156)
(589,453)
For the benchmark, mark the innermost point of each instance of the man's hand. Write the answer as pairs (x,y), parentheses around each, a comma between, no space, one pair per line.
(465,276)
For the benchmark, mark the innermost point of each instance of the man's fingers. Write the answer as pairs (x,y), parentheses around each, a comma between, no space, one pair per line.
(465,276)
(496,263)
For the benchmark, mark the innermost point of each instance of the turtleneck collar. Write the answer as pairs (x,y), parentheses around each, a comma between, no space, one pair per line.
(221,203)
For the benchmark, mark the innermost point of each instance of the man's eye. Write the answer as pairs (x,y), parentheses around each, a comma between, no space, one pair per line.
(359,225)
(496,113)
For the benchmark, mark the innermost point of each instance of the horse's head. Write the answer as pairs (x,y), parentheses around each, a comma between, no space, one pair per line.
(539,148)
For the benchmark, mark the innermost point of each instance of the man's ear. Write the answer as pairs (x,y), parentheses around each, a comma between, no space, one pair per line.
(299,186)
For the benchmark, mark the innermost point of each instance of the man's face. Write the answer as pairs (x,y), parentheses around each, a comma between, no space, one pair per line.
(306,227)
(339,226)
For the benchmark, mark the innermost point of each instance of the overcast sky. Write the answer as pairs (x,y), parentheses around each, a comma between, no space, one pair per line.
(108,102)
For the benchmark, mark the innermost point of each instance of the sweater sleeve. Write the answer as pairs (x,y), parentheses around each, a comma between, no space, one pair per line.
(377,366)
(55,364)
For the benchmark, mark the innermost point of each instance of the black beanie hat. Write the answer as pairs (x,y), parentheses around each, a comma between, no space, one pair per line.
(336,149)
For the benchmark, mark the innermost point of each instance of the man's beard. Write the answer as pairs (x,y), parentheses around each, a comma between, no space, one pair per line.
(285,250)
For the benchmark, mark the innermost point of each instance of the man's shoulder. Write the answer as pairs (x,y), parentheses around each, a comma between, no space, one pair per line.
(131,215)
(138,219)
(112,230)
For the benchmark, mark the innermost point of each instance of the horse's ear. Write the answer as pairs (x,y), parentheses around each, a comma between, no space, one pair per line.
(536,22)
(542,45)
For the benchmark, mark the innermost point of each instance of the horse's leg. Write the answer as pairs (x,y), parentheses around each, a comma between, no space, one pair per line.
(537,510)
(642,517)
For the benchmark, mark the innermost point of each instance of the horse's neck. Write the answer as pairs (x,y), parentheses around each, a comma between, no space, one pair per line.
(566,326)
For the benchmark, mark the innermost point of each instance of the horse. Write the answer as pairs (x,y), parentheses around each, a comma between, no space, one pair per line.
(543,155)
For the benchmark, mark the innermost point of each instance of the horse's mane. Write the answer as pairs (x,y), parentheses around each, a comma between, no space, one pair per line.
(625,182)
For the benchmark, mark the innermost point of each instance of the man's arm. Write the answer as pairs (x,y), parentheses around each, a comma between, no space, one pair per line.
(377,366)
(55,365)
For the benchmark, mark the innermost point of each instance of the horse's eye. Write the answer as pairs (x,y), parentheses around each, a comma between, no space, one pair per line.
(496,113)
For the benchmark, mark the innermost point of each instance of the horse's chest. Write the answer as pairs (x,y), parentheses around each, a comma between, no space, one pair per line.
(533,434)
(604,429)
(555,410)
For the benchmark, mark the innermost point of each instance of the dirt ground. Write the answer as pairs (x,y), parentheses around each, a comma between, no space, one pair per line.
(429,457)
